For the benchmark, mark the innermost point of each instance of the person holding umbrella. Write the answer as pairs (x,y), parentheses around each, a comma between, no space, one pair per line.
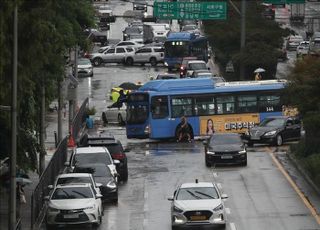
(258,72)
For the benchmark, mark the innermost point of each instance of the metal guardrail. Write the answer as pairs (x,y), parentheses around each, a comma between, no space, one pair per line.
(48,176)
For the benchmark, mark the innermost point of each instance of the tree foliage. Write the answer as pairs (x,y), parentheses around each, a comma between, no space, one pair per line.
(46,30)
(263,39)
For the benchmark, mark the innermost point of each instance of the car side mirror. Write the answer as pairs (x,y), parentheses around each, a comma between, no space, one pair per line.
(205,142)
(98,185)
(50,186)
(224,196)
(98,196)
(46,198)
(116,162)
(170,198)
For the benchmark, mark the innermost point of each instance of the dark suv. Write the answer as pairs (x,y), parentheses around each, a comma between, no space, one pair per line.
(114,147)
(275,130)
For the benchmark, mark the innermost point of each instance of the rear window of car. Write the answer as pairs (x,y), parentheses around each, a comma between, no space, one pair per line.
(70,180)
(114,148)
(158,49)
(91,158)
(129,49)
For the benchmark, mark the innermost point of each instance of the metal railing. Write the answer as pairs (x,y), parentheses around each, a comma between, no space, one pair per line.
(79,119)
(48,176)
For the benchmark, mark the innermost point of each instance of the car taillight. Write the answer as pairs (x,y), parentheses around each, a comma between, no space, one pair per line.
(118,156)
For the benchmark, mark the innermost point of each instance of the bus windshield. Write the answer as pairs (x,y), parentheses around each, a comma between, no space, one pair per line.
(176,48)
(137,114)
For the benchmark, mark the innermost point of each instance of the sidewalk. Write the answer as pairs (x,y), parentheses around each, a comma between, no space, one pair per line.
(25,209)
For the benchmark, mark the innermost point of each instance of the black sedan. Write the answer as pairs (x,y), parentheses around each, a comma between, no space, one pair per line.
(101,174)
(225,148)
(275,130)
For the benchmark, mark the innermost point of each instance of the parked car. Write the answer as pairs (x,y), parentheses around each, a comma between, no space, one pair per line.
(293,42)
(75,178)
(131,32)
(103,175)
(152,55)
(131,44)
(112,115)
(85,68)
(275,130)
(140,5)
(111,55)
(91,155)
(114,147)
(198,204)
(73,204)
(303,48)
(225,148)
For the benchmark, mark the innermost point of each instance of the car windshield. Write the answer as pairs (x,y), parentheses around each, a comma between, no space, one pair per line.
(273,122)
(225,140)
(91,158)
(197,66)
(74,180)
(197,193)
(189,27)
(95,170)
(72,193)
(84,62)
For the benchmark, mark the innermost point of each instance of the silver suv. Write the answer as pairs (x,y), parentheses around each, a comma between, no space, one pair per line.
(111,55)
(152,55)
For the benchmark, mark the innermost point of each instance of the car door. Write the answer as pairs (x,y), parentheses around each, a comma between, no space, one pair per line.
(141,55)
(109,55)
(288,131)
(120,54)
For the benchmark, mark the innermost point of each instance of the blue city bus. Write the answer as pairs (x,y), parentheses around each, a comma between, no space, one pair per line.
(154,111)
(183,44)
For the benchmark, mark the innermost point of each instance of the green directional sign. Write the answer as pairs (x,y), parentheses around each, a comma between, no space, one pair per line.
(190,10)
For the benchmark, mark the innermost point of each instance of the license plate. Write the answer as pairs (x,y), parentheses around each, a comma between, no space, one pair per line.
(198,218)
(226,157)
(71,216)
(255,138)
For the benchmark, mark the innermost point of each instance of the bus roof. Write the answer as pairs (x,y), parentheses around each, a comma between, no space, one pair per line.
(181,36)
(203,85)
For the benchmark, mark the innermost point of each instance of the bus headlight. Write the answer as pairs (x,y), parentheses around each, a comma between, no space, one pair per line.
(147,129)
(165,63)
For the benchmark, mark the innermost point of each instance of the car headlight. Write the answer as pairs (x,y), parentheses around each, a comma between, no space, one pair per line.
(125,35)
(211,152)
(90,207)
(51,209)
(176,209)
(112,185)
(165,63)
(242,151)
(218,208)
(134,5)
(270,133)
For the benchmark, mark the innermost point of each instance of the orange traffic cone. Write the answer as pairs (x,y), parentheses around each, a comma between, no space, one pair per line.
(71,142)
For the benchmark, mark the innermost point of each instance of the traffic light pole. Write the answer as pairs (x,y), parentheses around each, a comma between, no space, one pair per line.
(243,39)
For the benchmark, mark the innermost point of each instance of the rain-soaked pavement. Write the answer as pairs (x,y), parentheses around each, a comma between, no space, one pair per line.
(260,197)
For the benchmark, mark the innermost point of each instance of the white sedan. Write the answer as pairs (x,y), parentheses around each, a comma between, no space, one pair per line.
(73,204)
(197,204)
(115,115)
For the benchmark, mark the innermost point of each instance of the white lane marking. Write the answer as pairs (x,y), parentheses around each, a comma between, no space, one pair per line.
(233,226)
(219,186)
(145,210)
(228,211)
(215,174)
(147,152)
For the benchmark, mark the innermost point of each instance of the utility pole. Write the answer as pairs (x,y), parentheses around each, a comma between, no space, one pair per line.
(243,38)
(42,128)
(76,77)
(59,112)
(13,158)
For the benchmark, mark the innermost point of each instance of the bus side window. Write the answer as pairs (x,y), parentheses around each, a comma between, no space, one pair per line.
(225,104)
(159,107)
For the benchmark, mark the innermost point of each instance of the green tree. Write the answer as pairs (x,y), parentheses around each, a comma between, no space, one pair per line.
(263,39)
(46,30)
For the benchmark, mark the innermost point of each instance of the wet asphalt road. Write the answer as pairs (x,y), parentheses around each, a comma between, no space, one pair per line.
(260,197)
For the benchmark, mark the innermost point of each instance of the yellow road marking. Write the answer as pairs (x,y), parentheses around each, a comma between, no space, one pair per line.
(294,185)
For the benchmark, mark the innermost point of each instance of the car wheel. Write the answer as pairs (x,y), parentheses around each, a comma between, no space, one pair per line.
(120,120)
(153,61)
(208,164)
(279,140)
(174,227)
(124,174)
(129,61)
(91,75)
(244,163)
(97,61)
(115,200)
